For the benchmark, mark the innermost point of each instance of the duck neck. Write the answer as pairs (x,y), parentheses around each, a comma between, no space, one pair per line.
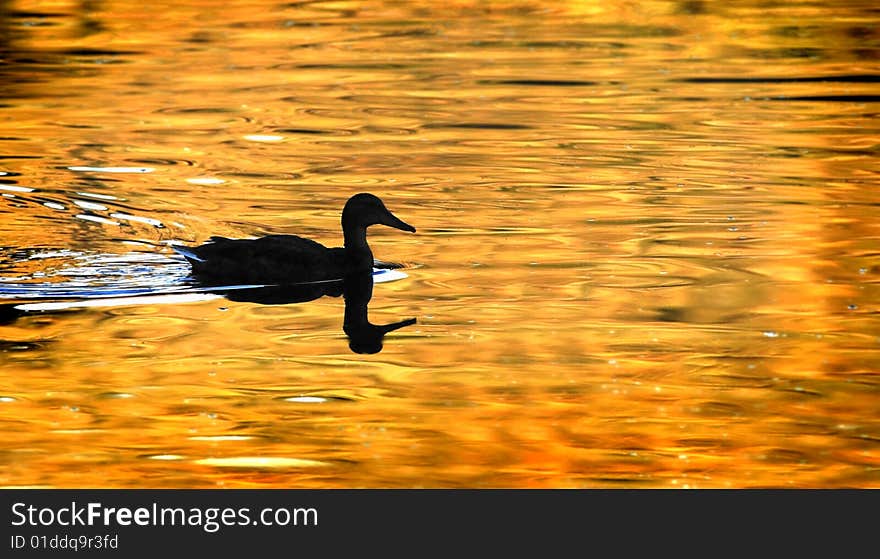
(357,253)
(357,290)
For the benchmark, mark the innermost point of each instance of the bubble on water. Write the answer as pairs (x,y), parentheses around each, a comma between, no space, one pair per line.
(770,334)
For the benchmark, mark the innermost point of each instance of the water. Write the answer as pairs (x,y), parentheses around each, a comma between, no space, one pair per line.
(647,248)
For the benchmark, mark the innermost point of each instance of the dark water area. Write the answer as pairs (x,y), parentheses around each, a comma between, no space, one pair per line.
(647,251)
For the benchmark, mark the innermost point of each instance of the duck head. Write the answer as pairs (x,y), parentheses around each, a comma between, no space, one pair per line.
(363,210)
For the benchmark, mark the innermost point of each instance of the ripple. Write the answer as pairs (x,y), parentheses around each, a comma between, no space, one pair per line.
(393,130)
(97,196)
(83,51)
(112,169)
(115,395)
(334,395)
(90,206)
(260,462)
(166,161)
(96,219)
(503,230)
(76,431)
(138,219)
(846,78)
(396,101)
(221,438)
(306,399)
(205,180)
(170,299)
(420,114)
(196,110)
(642,274)
(360,181)
(15,188)
(319,131)
(61,274)
(831,98)
(541,83)
(479,125)
(268,138)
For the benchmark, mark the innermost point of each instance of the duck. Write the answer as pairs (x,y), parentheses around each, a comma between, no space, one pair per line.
(364,336)
(291,259)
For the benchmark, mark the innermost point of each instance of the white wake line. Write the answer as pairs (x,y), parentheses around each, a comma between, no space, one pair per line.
(170,298)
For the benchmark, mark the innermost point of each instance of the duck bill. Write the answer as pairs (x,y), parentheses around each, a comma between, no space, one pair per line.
(385,328)
(392,221)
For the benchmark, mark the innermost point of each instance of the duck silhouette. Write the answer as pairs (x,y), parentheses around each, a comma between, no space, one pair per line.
(363,335)
(289,259)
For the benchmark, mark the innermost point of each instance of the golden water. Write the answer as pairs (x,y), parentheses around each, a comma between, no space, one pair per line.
(647,250)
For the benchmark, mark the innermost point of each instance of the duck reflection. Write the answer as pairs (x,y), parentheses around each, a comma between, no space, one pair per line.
(363,336)
(357,291)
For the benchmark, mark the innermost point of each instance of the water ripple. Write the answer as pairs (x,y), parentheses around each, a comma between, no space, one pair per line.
(33,274)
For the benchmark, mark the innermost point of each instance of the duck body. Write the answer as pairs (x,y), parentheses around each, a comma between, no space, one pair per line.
(290,259)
